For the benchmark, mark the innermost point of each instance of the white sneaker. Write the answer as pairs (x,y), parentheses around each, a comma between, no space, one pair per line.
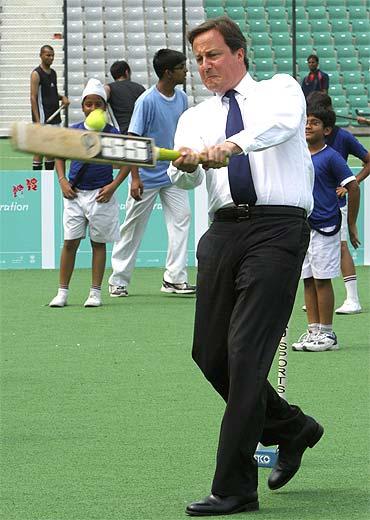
(306,337)
(178,288)
(323,341)
(94,300)
(117,291)
(60,300)
(349,307)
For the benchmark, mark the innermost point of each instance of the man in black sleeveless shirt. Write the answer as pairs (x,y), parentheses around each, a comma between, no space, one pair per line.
(122,94)
(45,98)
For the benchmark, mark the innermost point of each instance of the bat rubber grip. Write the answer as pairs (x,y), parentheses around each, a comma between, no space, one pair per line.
(163,154)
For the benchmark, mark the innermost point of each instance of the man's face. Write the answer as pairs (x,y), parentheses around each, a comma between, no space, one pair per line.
(219,68)
(47,57)
(312,64)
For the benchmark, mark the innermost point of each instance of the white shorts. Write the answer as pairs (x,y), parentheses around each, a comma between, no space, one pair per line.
(344,227)
(102,218)
(322,260)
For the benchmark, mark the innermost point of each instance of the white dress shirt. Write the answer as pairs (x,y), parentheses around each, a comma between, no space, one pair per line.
(274,116)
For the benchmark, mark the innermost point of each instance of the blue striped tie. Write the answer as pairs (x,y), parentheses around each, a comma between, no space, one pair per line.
(240,176)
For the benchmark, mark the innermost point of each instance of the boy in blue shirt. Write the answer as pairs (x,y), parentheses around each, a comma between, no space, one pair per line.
(346,144)
(89,201)
(322,261)
(155,115)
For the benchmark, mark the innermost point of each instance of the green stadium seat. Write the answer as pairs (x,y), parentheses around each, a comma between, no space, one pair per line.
(304,38)
(302,66)
(362,38)
(258,26)
(281,39)
(242,25)
(337,13)
(355,2)
(260,52)
(335,3)
(358,102)
(358,12)
(365,63)
(277,13)
(346,51)
(363,51)
(339,102)
(338,26)
(320,26)
(355,90)
(336,89)
(264,65)
(334,76)
(260,39)
(213,3)
(303,26)
(303,51)
(264,75)
(279,26)
(313,3)
(300,13)
(253,3)
(362,26)
(367,77)
(214,12)
(235,13)
(284,51)
(343,38)
(342,122)
(283,66)
(272,3)
(351,77)
(255,13)
(316,12)
(328,64)
(349,64)
(322,39)
(325,51)
(235,3)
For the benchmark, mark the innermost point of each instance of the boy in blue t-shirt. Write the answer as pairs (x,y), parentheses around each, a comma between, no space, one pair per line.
(155,115)
(89,201)
(322,261)
(346,144)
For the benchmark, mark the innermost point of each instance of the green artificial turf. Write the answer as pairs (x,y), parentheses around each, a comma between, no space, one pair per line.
(104,415)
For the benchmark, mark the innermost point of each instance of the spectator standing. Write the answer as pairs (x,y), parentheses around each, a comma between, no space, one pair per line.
(316,79)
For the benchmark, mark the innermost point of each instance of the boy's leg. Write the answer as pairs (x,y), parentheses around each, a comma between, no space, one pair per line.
(131,232)
(177,214)
(310,298)
(98,263)
(67,263)
(325,301)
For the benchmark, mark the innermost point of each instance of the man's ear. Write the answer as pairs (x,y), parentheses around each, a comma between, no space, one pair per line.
(327,130)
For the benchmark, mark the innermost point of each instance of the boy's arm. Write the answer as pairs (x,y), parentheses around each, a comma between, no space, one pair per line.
(353,206)
(137,186)
(365,172)
(106,192)
(67,190)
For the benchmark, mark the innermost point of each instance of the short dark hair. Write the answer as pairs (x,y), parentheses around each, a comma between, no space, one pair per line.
(230,31)
(327,116)
(319,98)
(167,59)
(120,69)
(313,57)
(44,47)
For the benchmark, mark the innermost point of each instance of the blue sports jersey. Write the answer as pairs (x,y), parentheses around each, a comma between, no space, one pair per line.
(331,170)
(346,144)
(96,175)
(156,116)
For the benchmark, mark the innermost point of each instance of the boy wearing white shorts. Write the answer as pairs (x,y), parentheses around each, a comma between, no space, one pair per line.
(322,261)
(89,202)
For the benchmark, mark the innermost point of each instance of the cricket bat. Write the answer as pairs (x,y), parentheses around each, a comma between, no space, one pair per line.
(88,146)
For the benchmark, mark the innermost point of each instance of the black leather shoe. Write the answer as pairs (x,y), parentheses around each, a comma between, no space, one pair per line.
(290,457)
(217,505)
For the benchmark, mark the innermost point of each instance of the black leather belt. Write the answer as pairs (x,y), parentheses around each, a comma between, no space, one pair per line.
(246,212)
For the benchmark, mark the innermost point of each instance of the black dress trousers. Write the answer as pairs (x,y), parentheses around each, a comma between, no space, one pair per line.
(248,274)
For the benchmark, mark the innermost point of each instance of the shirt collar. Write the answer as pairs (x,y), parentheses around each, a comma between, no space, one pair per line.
(242,87)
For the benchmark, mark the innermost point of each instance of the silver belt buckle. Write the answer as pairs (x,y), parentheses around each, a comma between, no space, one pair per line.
(244,213)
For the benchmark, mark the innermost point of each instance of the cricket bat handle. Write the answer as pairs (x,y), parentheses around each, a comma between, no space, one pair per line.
(164,154)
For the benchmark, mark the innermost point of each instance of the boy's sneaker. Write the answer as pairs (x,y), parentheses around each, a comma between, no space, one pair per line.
(349,307)
(94,300)
(178,288)
(323,341)
(306,337)
(60,300)
(117,291)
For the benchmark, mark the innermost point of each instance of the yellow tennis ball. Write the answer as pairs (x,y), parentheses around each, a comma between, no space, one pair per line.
(96,120)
